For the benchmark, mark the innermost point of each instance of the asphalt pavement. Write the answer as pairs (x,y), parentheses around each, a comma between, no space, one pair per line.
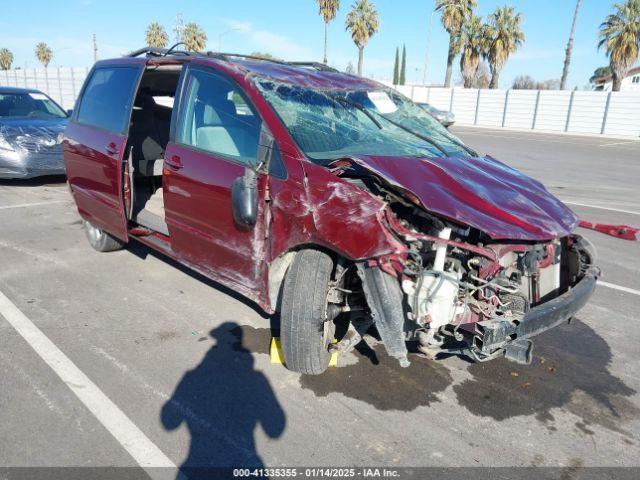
(183,364)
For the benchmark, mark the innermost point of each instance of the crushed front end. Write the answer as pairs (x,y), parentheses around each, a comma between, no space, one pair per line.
(461,290)
(488,300)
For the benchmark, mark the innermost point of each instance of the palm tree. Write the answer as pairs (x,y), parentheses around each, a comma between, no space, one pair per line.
(504,37)
(620,35)
(363,22)
(44,54)
(328,10)
(473,42)
(194,37)
(156,36)
(567,57)
(6,59)
(454,13)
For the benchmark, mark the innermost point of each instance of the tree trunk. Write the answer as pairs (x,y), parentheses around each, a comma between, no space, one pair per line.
(567,57)
(495,79)
(617,82)
(325,42)
(360,59)
(469,63)
(450,57)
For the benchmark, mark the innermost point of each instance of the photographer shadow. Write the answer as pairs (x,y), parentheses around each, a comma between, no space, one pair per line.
(222,401)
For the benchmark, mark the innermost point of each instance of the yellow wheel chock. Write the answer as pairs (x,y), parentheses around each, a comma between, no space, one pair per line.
(277,357)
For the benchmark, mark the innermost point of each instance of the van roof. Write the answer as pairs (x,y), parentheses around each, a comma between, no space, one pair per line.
(304,74)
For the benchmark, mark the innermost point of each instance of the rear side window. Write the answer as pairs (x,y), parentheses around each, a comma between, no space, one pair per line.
(106,101)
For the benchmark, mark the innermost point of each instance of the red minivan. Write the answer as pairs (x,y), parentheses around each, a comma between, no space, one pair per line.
(326,197)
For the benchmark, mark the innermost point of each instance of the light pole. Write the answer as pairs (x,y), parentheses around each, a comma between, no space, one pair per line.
(426,56)
(222,35)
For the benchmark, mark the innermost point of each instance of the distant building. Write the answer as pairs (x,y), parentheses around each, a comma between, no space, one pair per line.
(630,83)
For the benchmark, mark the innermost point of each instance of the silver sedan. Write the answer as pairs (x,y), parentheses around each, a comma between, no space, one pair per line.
(31,127)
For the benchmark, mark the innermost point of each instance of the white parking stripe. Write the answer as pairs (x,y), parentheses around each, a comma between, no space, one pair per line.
(618,287)
(632,212)
(628,142)
(143,450)
(34,204)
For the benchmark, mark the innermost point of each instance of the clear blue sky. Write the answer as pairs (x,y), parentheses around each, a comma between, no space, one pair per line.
(292,29)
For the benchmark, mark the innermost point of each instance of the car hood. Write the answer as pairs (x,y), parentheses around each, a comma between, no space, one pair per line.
(480,192)
(17,131)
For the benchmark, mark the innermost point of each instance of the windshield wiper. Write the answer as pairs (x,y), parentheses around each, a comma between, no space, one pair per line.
(416,134)
(453,139)
(419,135)
(364,110)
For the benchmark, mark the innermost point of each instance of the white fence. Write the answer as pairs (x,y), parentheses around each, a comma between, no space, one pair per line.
(606,113)
(63,84)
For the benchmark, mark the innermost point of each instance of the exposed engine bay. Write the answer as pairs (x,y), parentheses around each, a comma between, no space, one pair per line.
(464,293)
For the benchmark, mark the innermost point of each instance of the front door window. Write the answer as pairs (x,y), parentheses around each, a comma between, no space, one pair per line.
(216,119)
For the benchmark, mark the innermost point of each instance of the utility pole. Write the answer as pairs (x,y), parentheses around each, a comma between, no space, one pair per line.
(95,49)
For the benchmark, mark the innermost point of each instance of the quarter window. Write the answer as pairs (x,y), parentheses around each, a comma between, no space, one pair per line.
(216,118)
(106,101)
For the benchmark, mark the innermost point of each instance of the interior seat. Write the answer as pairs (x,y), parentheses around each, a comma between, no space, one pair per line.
(148,136)
(219,128)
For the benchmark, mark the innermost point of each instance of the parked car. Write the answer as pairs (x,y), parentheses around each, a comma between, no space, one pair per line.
(315,194)
(31,126)
(444,117)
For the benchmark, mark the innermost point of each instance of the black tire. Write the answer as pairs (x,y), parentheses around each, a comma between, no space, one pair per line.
(305,336)
(101,240)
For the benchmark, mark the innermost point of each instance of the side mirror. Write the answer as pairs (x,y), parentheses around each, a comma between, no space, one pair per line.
(69,112)
(244,199)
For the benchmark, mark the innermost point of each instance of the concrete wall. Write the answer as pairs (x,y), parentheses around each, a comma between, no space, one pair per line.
(61,83)
(608,113)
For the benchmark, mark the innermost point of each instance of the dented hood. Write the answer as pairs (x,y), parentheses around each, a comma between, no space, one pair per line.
(480,192)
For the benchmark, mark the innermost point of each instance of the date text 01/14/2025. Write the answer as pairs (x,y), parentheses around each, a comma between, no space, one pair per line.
(316,473)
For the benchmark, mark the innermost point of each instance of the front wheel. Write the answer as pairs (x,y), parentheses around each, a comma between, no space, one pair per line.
(305,331)
(101,240)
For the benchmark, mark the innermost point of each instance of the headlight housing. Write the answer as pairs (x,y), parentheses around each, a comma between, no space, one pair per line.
(4,145)
(7,152)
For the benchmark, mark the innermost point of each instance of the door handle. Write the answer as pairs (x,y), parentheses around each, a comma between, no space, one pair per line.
(111,149)
(174,162)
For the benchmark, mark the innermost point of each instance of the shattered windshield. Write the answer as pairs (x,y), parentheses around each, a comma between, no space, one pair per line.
(31,105)
(331,124)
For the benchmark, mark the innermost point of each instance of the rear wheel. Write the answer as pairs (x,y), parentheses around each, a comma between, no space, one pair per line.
(101,240)
(305,331)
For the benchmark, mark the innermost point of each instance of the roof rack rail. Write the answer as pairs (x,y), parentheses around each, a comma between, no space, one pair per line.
(316,65)
(161,52)
(225,56)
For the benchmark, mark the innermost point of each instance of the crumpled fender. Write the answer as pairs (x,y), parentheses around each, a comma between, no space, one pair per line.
(322,209)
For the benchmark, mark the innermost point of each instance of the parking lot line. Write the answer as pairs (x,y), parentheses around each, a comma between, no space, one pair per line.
(619,287)
(588,205)
(34,204)
(626,142)
(132,439)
